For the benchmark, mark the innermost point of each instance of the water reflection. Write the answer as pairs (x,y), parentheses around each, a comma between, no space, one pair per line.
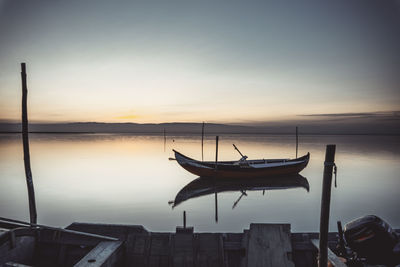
(105,178)
(204,186)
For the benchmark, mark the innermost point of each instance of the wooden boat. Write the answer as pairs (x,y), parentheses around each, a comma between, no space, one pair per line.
(243,168)
(205,186)
(25,244)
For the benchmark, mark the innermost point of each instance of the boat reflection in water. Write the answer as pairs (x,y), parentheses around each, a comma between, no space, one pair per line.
(205,185)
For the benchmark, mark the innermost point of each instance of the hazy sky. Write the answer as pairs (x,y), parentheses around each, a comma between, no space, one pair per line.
(220,61)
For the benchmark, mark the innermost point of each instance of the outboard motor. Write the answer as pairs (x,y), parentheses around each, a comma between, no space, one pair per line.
(373,239)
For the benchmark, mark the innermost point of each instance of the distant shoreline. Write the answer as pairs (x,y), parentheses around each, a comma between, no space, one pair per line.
(206,134)
(283,128)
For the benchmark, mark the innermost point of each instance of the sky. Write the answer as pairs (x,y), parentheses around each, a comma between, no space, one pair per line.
(192,61)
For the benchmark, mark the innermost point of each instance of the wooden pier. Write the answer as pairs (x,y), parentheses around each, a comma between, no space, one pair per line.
(260,245)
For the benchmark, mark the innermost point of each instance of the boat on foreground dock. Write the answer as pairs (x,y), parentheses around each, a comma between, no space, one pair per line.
(243,168)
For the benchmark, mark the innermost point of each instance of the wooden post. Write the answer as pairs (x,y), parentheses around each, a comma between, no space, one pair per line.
(184,219)
(25,141)
(216,151)
(202,142)
(325,205)
(297,140)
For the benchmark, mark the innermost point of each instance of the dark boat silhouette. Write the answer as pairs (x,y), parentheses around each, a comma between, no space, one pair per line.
(257,168)
(206,185)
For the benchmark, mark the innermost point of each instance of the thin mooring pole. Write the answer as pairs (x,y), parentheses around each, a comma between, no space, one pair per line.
(216,151)
(202,142)
(325,205)
(297,140)
(25,141)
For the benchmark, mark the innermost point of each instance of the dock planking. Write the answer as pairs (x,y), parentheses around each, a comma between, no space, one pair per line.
(260,245)
(268,245)
(106,253)
(185,248)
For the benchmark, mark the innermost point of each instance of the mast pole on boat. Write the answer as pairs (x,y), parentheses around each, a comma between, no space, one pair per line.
(216,151)
(202,142)
(325,204)
(25,142)
(297,140)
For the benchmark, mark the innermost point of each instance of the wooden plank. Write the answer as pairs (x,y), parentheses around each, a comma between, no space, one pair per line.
(106,253)
(232,245)
(14,264)
(136,247)
(183,250)
(61,255)
(331,256)
(10,225)
(159,250)
(57,230)
(269,245)
(67,238)
(221,251)
(245,244)
(119,231)
(234,251)
(209,250)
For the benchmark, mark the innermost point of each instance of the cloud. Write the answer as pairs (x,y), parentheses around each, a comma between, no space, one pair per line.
(378,114)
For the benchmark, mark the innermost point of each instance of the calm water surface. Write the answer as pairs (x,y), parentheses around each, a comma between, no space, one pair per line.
(128,179)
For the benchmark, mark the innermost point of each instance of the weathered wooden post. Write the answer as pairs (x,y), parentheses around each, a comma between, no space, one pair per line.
(184,219)
(202,142)
(25,141)
(325,205)
(297,140)
(216,151)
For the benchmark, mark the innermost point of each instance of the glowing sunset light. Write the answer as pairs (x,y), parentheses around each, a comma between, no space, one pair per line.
(241,62)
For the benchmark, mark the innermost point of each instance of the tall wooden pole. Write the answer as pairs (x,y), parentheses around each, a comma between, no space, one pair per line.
(297,140)
(25,141)
(216,151)
(325,205)
(202,142)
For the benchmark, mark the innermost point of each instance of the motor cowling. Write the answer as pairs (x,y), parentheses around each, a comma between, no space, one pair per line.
(372,238)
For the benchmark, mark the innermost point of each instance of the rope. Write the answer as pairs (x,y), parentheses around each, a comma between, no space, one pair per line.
(335,173)
(334,170)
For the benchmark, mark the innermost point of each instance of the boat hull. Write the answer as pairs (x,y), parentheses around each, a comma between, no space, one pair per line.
(228,169)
